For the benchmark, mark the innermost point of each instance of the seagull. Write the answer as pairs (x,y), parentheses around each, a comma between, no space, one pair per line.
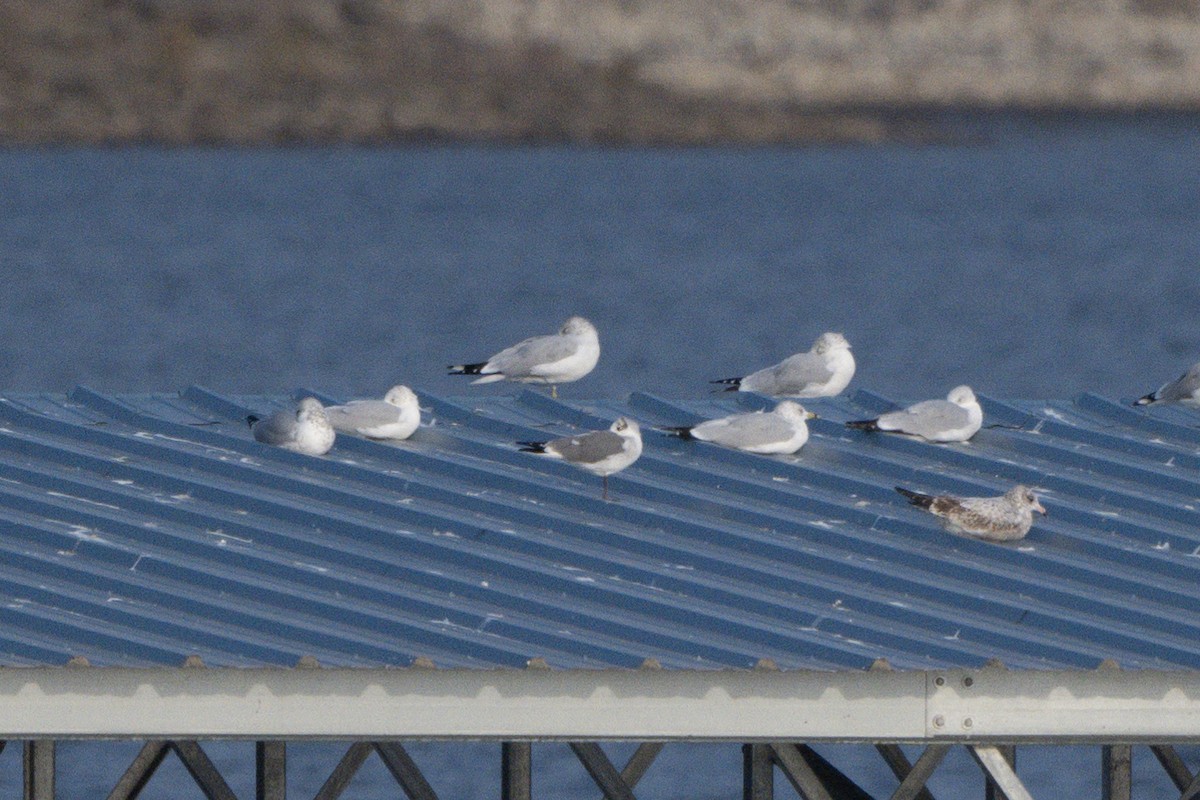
(599,452)
(999,519)
(1184,389)
(304,429)
(395,417)
(823,371)
(955,419)
(783,430)
(557,358)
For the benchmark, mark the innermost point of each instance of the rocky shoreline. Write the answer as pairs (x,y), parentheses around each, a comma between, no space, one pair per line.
(607,71)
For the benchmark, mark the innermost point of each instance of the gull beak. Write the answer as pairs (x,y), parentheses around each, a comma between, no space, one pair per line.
(1038,507)
(810,415)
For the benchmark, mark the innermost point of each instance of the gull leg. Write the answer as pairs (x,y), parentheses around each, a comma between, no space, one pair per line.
(605,494)
(554,390)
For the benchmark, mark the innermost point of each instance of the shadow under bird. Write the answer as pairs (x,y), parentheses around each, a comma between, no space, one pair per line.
(395,417)
(1184,389)
(1006,518)
(824,371)
(553,359)
(599,452)
(955,419)
(783,430)
(303,429)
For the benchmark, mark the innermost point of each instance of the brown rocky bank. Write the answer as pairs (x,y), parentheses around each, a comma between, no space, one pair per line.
(620,71)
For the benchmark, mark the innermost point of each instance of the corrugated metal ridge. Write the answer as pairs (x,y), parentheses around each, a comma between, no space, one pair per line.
(145,527)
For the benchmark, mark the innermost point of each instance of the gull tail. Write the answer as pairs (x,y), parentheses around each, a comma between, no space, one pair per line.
(684,432)
(532,447)
(864,425)
(730,384)
(916,498)
(466,369)
(1147,400)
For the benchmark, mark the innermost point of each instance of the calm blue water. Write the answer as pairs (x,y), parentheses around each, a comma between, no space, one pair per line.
(1042,259)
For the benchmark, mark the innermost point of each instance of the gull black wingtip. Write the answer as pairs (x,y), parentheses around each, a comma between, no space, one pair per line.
(864,425)
(532,447)
(466,369)
(684,432)
(251,419)
(1145,401)
(916,498)
(730,384)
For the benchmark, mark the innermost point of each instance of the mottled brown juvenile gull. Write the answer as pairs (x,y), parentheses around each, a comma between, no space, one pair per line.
(304,429)
(999,519)
(599,452)
(782,430)
(1184,389)
(557,358)
(955,419)
(824,371)
(394,417)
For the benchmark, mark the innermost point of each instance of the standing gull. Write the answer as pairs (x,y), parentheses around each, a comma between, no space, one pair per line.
(999,519)
(599,452)
(823,371)
(783,430)
(955,419)
(557,358)
(395,417)
(1184,389)
(304,429)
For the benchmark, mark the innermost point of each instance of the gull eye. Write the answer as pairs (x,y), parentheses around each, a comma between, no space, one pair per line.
(621,425)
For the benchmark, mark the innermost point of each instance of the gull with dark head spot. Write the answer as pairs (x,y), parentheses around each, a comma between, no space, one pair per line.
(304,429)
(824,371)
(1006,518)
(1184,389)
(557,358)
(394,417)
(955,419)
(782,430)
(599,452)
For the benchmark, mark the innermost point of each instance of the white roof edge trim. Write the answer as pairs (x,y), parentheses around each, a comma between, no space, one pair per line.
(539,704)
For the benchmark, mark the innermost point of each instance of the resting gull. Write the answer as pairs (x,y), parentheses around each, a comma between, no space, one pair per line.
(955,419)
(394,417)
(823,371)
(999,519)
(782,430)
(1184,389)
(557,358)
(599,452)
(304,429)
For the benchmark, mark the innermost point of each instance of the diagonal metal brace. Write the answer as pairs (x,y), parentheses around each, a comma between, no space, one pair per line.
(405,771)
(995,765)
(914,778)
(203,771)
(602,771)
(798,771)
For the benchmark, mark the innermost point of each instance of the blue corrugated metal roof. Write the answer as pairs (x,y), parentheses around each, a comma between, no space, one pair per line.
(138,529)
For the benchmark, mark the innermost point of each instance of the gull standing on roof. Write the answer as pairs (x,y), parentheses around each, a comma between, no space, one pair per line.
(955,419)
(823,371)
(304,429)
(1184,389)
(557,358)
(782,430)
(999,519)
(394,417)
(599,452)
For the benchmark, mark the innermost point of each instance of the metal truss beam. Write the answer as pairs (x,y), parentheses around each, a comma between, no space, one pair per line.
(991,706)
